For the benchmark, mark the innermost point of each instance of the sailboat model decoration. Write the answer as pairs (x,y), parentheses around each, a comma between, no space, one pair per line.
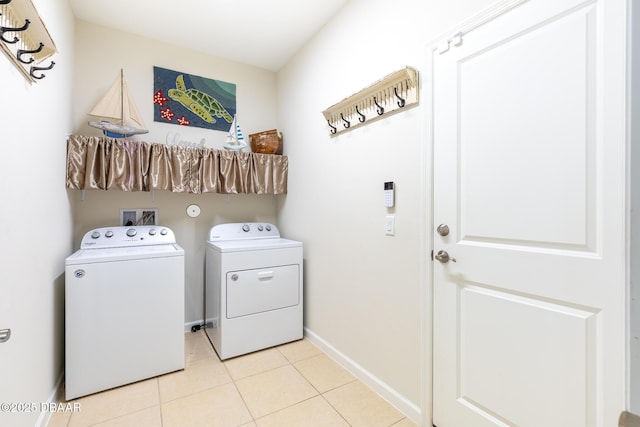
(119,116)
(235,138)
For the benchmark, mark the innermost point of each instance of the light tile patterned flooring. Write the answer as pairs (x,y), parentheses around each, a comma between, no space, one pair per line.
(292,385)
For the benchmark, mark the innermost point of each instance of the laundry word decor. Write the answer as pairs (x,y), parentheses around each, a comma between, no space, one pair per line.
(187,100)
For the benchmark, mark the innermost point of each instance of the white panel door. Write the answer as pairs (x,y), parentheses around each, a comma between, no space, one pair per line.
(529,177)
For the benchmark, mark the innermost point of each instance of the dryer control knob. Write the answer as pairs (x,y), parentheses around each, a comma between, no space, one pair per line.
(108,234)
(246,228)
(268,227)
(163,231)
(260,227)
(131,232)
(152,232)
(95,234)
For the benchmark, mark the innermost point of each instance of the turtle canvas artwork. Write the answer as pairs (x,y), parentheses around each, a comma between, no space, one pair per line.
(187,100)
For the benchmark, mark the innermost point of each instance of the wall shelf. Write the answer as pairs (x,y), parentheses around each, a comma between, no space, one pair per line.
(24,39)
(393,93)
(102,163)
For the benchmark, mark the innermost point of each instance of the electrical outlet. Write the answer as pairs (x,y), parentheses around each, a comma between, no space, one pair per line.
(146,216)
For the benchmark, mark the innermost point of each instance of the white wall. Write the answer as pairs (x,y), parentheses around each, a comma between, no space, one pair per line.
(364,289)
(100,54)
(36,218)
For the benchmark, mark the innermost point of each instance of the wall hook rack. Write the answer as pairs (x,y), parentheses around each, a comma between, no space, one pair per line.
(393,93)
(31,44)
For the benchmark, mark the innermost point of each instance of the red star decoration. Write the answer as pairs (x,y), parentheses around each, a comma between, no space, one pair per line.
(184,121)
(158,98)
(167,114)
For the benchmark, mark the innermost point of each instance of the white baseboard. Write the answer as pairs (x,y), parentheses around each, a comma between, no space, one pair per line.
(410,409)
(54,397)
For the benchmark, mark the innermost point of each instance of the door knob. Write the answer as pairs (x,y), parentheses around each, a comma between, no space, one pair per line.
(443,257)
(443,230)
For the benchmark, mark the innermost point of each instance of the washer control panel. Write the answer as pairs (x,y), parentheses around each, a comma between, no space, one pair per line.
(120,236)
(243,230)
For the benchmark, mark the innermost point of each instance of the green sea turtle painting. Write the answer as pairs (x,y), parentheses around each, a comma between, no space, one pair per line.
(202,104)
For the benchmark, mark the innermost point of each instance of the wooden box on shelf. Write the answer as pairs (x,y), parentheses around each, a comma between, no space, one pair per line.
(266,142)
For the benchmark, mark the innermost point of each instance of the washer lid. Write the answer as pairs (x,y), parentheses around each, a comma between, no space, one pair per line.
(125,236)
(84,256)
(253,244)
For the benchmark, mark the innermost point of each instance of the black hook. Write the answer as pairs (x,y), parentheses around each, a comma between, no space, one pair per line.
(8,30)
(347,122)
(333,128)
(41,76)
(362,117)
(380,107)
(5,1)
(25,52)
(401,102)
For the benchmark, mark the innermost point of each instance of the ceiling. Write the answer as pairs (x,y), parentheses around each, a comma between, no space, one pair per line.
(261,33)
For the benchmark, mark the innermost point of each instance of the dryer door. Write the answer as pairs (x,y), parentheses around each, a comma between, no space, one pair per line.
(264,289)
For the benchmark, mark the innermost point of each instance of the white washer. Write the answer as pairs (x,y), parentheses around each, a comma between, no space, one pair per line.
(124,308)
(253,291)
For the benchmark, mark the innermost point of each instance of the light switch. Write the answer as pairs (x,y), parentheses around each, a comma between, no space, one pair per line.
(390,225)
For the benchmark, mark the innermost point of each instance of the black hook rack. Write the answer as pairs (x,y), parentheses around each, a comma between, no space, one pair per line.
(362,117)
(401,102)
(380,108)
(41,76)
(347,123)
(26,52)
(333,128)
(9,30)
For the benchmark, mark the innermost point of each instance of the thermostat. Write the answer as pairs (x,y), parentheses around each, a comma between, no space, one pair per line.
(389,188)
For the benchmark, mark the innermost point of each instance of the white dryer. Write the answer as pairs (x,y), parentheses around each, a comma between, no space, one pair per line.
(124,308)
(253,291)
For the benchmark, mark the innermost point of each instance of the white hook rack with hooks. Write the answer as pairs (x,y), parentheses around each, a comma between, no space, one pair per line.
(393,93)
(24,39)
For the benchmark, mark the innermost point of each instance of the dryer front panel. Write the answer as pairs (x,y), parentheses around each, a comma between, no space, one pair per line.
(262,289)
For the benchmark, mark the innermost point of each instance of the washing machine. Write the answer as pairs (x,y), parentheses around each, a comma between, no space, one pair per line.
(124,308)
(253,289)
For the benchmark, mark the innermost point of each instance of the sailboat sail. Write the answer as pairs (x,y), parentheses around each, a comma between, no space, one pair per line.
(119,116)
(235,138)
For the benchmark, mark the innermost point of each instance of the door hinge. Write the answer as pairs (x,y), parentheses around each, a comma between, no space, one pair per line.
(455,40)
(431,254)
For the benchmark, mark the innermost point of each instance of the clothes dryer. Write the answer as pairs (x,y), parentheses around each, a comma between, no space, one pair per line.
(253,290)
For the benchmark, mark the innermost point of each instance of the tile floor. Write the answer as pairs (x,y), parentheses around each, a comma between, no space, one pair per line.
(292,385)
